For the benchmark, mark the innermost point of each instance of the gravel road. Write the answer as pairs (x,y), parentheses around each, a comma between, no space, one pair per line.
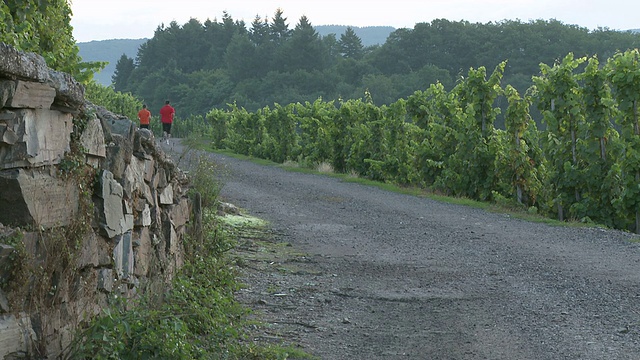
(392,276)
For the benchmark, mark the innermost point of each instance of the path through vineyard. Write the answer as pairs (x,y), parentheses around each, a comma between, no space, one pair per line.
(391,276)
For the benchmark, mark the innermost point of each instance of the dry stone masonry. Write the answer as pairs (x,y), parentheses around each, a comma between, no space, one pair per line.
(139,211)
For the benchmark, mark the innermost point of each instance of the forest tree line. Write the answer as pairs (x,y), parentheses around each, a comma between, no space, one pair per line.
(200,66)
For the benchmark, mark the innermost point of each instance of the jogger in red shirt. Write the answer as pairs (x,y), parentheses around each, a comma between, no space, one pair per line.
(166,117)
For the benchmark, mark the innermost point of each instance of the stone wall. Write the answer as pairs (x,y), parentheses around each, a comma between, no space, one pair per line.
(55,273)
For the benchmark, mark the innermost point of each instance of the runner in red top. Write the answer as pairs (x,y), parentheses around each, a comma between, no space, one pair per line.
(144,115)
(166,117)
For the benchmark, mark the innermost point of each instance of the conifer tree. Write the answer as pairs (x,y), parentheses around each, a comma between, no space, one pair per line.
(120,78)
(351,45)
(279,29)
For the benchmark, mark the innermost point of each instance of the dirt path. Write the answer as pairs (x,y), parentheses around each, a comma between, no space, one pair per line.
(378,275)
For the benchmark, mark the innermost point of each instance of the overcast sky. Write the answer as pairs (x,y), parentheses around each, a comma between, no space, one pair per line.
(135,19)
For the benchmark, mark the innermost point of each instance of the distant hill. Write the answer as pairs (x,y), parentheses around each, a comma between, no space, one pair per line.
(370,35)
(111,51)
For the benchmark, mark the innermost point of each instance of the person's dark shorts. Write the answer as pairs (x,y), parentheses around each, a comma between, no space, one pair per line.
(144,126)
(166,128)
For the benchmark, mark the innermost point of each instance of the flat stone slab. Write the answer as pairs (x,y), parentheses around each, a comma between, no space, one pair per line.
(34,197)
(34,137)
(92,139)
(16,335)
(29,95)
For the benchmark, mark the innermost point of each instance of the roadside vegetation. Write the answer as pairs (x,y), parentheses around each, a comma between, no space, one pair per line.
(580,167)
(198,316)
(499,205)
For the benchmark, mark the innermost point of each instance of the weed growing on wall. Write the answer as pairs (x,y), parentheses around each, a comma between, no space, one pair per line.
(18,256)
